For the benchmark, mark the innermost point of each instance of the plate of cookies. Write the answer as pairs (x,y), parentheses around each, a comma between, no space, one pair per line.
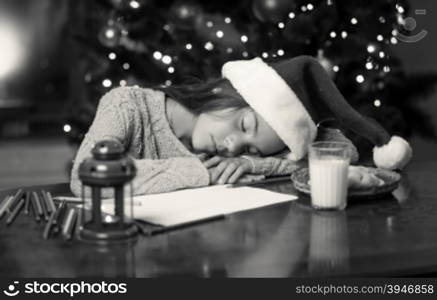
(362,181)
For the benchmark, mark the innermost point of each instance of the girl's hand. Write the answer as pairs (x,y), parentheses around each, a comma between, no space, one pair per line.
(226,169)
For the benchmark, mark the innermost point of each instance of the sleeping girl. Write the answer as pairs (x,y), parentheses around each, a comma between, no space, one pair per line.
(256,121)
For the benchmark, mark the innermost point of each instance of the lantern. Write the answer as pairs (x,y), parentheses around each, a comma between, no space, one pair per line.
(109,167)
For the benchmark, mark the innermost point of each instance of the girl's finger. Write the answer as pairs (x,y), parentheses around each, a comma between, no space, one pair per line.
(230,169)
(213,161)
(211,174)
(218,171)
(237,174)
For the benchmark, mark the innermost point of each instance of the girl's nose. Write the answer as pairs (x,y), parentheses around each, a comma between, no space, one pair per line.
(233,145)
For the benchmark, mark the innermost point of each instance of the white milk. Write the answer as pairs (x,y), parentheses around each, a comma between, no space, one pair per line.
(328,181)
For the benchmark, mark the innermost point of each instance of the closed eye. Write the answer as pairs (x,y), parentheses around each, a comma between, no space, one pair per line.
(242,125)
(248,122)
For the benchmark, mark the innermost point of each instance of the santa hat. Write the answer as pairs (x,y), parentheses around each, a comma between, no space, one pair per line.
(294,95)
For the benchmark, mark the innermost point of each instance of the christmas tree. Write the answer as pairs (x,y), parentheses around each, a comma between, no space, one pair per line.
(150,42)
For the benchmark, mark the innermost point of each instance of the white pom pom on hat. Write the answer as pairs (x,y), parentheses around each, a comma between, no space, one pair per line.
(394,155)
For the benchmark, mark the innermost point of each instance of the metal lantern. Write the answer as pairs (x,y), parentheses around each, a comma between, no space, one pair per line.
(109,167)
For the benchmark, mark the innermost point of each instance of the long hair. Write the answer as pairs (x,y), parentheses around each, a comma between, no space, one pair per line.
(205,96)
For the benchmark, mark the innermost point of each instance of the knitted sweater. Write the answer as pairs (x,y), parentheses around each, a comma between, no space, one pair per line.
(136,117)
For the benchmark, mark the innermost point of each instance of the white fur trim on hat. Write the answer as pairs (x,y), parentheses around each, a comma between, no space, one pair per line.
(393,155)
(272,98)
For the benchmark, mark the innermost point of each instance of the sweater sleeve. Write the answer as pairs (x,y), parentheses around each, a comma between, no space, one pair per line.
(273,166)
(115,119)
(279,165)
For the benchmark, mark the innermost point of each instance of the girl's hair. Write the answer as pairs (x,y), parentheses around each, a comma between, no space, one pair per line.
(205,96)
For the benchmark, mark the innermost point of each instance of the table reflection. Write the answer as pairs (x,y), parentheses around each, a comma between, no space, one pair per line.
(329,245)
(244,245)
(279,253)
(115,259)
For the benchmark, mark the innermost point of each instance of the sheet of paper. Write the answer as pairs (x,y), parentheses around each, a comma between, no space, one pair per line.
(190,205)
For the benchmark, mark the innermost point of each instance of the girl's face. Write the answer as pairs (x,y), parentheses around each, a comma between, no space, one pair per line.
(231,132)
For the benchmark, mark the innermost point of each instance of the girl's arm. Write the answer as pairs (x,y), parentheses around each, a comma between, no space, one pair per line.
(115,119)
(273,166)
(156,176)
(278,165)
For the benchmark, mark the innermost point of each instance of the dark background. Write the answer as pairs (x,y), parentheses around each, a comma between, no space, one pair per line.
(37,98)
(422,56)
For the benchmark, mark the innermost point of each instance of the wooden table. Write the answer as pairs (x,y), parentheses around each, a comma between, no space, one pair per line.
(392,236)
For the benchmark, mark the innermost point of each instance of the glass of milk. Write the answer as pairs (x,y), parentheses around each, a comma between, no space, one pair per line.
(329,164)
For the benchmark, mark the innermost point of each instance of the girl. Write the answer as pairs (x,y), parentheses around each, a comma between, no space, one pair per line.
(192,135)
